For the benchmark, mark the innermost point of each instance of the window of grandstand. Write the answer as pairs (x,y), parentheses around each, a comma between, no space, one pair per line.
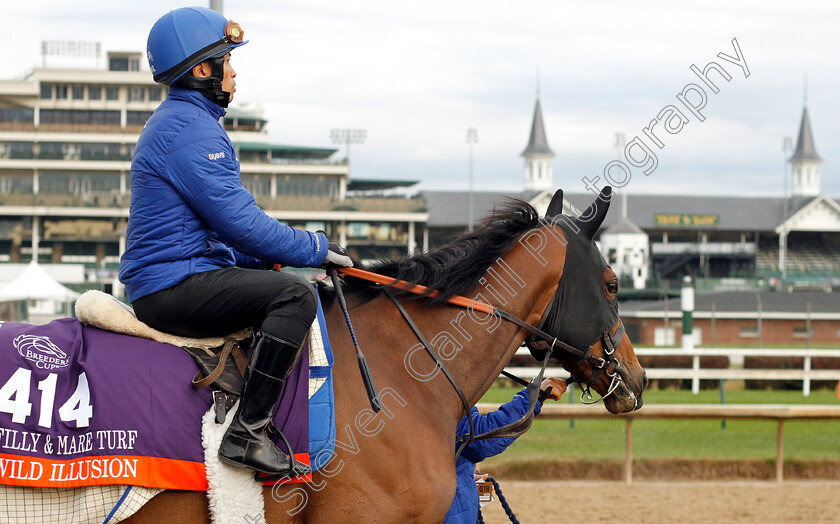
(101,152)
(243,124)
(61,91)
(72,183)
(358,230)
(80,117)
(78,92)
(17,115)
(95,92)
(257,185)
(46,91)
(51,151)
(16,184)
(136,94)
(306,186)
(17,149)
(112,93)
(802,332)
(749,332)
(384,232)
(107,118)
(155,93)
(123,63)
(137,118)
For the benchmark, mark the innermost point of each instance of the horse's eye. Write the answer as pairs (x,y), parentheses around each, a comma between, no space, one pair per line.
(612,287)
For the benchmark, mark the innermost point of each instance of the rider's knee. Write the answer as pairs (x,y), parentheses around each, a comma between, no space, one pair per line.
(304,295)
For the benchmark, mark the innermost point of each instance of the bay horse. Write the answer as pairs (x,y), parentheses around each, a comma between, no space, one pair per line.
(398,465)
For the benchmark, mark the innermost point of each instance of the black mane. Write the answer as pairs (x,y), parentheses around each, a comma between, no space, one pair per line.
(455,268)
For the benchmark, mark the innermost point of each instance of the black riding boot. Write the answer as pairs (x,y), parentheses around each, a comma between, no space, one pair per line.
(246,442)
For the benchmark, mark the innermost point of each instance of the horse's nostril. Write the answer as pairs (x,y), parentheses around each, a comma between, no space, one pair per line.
(645,382)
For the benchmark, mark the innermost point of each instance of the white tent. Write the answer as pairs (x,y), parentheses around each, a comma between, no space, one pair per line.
(36,284)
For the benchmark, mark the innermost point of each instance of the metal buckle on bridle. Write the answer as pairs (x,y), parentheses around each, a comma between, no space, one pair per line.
(609,343)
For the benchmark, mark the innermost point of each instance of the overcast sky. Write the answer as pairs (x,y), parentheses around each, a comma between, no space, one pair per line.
(417,75)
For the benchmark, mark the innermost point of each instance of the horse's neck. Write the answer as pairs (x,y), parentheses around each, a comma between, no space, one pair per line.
(475,347)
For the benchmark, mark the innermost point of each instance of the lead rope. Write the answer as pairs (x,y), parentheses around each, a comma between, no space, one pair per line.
(509,512)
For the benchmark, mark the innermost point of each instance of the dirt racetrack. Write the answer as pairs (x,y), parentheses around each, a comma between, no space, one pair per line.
(653,502)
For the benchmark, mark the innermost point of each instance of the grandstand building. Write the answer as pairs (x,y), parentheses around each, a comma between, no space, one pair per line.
(66,140)
(67,135)
(723,241)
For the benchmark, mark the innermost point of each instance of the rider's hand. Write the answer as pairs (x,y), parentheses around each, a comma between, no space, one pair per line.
(338,256)
(558,387)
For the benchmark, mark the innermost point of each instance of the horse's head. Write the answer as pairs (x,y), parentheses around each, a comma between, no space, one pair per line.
(584,313)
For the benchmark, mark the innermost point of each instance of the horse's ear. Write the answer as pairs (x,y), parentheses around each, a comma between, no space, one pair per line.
(591,219)
(555,207)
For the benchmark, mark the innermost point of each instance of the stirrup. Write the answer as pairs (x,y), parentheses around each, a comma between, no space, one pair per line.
(297,468)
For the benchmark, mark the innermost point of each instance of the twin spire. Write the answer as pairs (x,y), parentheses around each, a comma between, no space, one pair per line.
(805,160)
(538,155)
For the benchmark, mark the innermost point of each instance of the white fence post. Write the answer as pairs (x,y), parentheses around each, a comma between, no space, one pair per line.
(806,382)
(687,303)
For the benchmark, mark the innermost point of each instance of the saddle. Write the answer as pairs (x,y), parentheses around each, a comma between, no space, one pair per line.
(221,360)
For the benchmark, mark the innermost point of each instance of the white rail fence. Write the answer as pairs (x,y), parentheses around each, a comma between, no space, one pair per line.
(695,373)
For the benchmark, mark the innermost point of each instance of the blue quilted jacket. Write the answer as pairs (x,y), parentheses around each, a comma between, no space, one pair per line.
(464,509)
(189,210)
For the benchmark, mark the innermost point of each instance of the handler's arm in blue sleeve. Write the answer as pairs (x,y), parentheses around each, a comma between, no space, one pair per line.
(507,413)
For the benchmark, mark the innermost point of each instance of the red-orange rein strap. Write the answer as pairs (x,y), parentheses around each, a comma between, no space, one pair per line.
(414,288)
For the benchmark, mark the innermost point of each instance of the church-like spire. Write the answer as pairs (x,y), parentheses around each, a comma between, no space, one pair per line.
(805,161)
(538,170)
(805,143)
(537,143)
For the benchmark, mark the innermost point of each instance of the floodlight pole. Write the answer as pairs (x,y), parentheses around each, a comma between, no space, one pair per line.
(348,136)
(620,142)
(787,147)
(472,139)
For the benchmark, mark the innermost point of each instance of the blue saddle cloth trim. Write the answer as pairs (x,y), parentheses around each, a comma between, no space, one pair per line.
(322,405)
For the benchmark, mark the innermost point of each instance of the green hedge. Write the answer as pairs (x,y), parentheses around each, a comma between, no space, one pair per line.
(789,363)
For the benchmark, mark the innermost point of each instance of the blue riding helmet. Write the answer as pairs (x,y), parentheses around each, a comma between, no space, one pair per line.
(187,36)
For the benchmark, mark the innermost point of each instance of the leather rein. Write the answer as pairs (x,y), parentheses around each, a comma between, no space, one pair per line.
(538,339)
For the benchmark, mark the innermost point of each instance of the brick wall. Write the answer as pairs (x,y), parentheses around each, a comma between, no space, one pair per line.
(733,331)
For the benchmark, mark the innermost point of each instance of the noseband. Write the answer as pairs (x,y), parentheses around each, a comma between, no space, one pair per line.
(609,364)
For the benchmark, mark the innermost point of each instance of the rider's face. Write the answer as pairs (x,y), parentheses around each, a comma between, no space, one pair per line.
(228,82)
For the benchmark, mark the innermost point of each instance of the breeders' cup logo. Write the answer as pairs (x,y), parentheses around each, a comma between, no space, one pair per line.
(41,351)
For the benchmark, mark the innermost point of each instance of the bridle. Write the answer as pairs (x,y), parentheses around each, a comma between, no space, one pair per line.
(609,364)
(538,340)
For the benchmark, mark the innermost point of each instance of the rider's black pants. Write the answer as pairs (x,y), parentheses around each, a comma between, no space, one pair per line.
(221,301)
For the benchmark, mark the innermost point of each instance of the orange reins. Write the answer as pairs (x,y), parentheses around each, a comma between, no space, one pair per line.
(415,288)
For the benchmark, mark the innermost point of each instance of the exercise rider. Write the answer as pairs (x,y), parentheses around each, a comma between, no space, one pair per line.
(197,244)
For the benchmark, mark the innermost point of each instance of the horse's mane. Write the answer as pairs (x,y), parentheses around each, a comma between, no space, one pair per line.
(455,268)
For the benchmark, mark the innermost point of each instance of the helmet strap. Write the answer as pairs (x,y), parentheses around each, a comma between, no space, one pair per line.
(210,86)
